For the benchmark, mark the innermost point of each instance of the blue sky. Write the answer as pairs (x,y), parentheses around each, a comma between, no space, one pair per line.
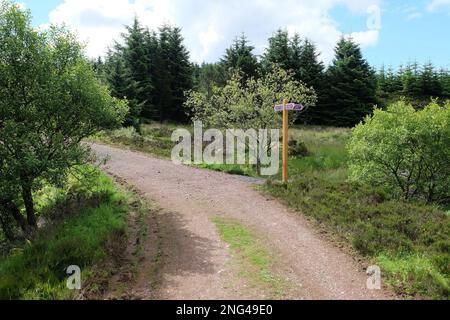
(406,31)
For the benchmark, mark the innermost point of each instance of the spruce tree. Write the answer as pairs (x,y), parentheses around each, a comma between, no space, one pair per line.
(175,74)
(240,56)
(393,81)
(350,92)
(429,82)
(310,71)
(208,75)
(310,67)
(136,70)
(279,52)
(181,74)
(444,81)
(411,81)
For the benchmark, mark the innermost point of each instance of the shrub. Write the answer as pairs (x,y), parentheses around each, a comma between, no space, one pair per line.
(405,150)
(298,149)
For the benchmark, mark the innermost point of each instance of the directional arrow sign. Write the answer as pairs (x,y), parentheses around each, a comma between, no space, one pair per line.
(290,107)
(278,108)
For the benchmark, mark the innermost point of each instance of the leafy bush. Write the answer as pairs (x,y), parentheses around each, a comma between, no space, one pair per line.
(298,148)
(405,150)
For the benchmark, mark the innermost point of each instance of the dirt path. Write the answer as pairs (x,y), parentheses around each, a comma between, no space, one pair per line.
(196,260)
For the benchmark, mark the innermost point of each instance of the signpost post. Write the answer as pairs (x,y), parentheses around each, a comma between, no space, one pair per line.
(285,141)
(285,107)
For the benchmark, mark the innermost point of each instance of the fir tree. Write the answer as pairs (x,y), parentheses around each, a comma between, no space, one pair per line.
(240,57)
(351,86)
(279,51)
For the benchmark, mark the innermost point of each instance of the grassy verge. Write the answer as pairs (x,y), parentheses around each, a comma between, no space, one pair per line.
(254,262)
(155,139)
(409,241)
(86,226)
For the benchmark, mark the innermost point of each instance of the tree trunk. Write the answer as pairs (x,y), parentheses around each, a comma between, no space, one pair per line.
(13,211)
(6,227)
(29,205)
(258,166)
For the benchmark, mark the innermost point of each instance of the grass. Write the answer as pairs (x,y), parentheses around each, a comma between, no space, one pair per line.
(409,241)
(88,233)
(254,261)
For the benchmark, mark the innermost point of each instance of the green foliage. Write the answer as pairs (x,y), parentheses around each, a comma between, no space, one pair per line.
(414,82)
(240,57)
(152,70)
(37,271)
(208,75)
(154,140)
(175,74)
(249,105)
(404,150)
(298,148)
(279,52)
(351,90)
(378,226)
(50,99)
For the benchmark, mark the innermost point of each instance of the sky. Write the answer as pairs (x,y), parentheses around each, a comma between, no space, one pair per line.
(389,32)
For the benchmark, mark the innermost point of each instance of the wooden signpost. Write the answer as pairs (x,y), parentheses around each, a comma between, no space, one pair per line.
(285,107)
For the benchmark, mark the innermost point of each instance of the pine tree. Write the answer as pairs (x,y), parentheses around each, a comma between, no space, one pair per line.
(151,60)
(393,80)
(240,57)
(181,71)
(444,82)
(382,82)
(410,80)
(279,51)
(207,76)
(136,70)
(310,71)
(116,75)
(174,74)
(351,86)
(429,82)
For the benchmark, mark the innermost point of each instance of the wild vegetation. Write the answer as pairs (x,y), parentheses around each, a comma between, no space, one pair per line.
(50,99)
(84,224)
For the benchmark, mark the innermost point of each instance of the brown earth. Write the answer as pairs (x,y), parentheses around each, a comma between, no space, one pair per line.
(196,263)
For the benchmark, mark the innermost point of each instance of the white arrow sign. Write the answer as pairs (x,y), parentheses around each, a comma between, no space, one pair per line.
(290,106)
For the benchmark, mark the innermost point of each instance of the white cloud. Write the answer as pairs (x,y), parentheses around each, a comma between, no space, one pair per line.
(435,5)
(366,38)
(210,26)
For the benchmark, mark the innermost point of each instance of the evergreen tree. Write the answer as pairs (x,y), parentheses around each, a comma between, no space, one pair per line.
(240,57)
(310,67)
(351,86)
(136,70)
(279,51)
(393,82)
(181,72)
(174,75)
(117,76)
(444,82)
(311,72)
(410,81)
(429,82)
(296,56)
(207,76)
(151,60)
(382,82)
